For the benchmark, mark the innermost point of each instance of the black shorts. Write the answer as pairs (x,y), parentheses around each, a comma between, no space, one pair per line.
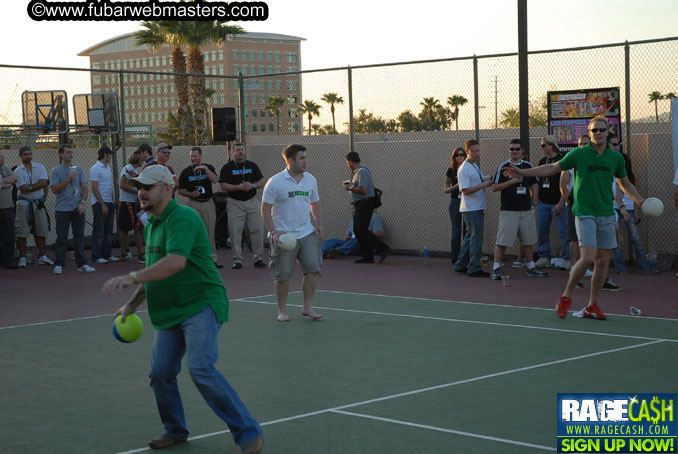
(127,217)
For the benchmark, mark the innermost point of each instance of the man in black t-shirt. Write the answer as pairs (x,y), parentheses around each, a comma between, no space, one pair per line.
(518,199)
(241,178)
(195,183)
(550,206)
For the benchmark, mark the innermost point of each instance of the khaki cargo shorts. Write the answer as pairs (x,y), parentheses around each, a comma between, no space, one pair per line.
(307,253)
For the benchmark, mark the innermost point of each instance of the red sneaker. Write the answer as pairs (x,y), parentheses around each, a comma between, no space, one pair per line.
(563,305)
(593,311)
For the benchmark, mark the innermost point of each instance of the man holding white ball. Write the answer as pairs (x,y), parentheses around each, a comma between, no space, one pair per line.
(595,166)
(290,198)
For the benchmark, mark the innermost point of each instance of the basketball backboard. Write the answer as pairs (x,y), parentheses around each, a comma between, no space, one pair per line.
(97,112)
(45,111)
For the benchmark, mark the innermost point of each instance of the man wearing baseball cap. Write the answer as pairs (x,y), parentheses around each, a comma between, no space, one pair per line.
(162,156)
(187,304)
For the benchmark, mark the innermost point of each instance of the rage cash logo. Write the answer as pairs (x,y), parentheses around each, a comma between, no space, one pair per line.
(617,423)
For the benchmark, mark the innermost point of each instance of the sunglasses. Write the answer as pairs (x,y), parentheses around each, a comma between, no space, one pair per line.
(147,187)
(165,152)
(612,144)
(594,130)
(515,149)
(459,155)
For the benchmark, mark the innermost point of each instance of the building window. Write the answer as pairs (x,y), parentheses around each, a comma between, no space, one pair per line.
(221,55)
(164,60)
(236,69)
(253,56)
(96,66)
(243,55)
(236,54)
(254,113)
(261,55)
(254,127)
(277,84)
(145,103)
(214,55)
(277,69)
(246,98)
(244,70)
(271,127)
(221,70)
(293,127)
(269,56)
(291,84)
(293,57)
(152,103)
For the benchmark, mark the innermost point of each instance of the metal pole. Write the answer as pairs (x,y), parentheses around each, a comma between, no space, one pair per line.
(241,97)
(522,78)
(627,88)
(476,108)
(350,109)
(121,83)
(496,105)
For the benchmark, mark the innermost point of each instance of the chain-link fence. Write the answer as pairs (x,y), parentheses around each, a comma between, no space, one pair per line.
(404,119)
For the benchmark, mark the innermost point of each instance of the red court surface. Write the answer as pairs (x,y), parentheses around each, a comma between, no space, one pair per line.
(34,294)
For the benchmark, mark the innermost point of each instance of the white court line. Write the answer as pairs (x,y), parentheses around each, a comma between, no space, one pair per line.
(103,315)
(450,431)
(477,304)
(422,390)
(475,322)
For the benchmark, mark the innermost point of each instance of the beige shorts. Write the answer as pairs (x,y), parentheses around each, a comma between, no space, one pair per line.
(513,223)
(22,228)
(308,254)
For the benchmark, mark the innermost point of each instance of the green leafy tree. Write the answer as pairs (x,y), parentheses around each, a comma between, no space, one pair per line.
(368,123)
(429,113)
(332,99)
(510,118)
(156,34)
(407,122)
(275,105)
(670,95)
(309,108)
(456,101)
(196,35)
(654,97)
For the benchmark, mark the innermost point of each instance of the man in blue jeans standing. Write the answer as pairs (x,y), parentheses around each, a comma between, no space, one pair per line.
(103,207)
(551,205)
(187,304)
(472,186)
(69,183)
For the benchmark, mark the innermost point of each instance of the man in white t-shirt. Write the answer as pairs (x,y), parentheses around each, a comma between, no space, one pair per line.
(103,206)
(472,186)
(290,198)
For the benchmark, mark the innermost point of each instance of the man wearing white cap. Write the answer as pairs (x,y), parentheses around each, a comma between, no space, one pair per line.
(187,304)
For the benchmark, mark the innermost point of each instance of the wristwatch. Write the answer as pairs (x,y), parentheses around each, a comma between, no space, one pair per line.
(135,276)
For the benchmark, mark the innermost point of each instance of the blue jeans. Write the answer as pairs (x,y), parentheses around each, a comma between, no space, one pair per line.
(632,230)
(197,337)
(64,220)
(546,212)
(349,247)
(7,217)
(472,246)
(455,220)
(102,231)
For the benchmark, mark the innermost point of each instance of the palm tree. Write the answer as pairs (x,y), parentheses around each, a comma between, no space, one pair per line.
(156,34)
(670,95)
(654,97)
(196,35)
(309,108)
(332,99)
(455,101)
(275,103)
(430,109)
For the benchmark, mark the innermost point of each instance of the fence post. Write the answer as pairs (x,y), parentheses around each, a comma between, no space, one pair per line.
(350,109)
(476,108)
(627,89)
(241,99)
(121,111)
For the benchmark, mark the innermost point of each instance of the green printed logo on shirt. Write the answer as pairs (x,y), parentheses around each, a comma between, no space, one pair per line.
(291,194)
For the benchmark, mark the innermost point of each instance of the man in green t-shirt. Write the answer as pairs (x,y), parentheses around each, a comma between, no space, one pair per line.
(187,304)
(595,168)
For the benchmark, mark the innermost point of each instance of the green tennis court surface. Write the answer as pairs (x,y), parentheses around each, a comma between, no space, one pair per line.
(377,375)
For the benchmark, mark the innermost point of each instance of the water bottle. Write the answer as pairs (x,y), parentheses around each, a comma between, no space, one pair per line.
(425,252)
(654,262)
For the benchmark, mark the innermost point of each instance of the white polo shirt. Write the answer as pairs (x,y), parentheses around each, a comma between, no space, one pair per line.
(292,202)
(469,175)
(102,173)
(38,172)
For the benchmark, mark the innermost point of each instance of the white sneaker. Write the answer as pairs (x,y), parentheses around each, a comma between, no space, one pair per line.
(113,259)
(129,256)
(588,273)
(22,262)
(543,262)
(101,261)
(44,260)
(517,264)
(86,269)
(566,265)
(57,270)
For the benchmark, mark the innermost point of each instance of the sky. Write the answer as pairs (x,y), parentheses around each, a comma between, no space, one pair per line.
(355,32)
(363,32)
